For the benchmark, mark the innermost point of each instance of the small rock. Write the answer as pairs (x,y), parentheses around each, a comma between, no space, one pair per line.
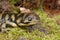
(58,22)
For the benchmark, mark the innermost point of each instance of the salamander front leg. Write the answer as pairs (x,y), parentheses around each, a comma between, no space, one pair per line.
(12,24)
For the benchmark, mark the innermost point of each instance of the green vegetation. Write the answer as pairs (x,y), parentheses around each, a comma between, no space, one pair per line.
(53,32)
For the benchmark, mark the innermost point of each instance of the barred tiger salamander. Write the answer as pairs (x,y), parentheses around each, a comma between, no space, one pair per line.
(8,15)
(20,19)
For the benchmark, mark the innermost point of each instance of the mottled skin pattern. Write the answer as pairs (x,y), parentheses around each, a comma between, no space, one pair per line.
(20,19)
(24,18)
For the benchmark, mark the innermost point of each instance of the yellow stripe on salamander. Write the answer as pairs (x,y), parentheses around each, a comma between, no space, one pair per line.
(11,23)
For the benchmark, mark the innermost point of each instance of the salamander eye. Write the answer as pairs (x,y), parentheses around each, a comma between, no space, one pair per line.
(29,18)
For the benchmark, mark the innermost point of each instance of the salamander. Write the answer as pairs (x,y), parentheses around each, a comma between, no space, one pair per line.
(9,16)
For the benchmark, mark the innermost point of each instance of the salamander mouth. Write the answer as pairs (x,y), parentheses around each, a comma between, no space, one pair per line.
(27,24)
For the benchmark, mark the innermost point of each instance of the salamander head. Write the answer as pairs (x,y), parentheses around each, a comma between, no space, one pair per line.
(30,19)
